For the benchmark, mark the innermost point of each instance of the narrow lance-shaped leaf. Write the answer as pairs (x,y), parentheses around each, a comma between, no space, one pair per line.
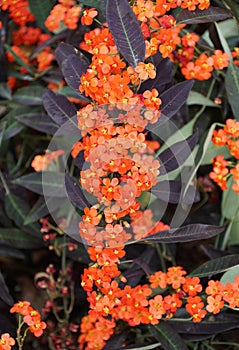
(75,193)
(212,14)
(38,121)
(45,183)
(72,68)
(168,337)
(216,266)
(175,97)
(4,291)
(232,88)
(59,108)
(17,209)
(172,192)
(29,95)
(40,209)
(17,238)
(177,154)
(185,234)
(126,31)
(220,323)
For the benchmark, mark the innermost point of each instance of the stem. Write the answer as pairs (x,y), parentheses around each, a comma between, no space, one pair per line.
(4,183)
(159,251)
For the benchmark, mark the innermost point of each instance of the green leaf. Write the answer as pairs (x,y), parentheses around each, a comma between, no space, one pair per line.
(223,41)
(41,10)
(167,336)
(17,209)
(230,202)
(4,291)
(147,347)
(19,239)
(195,98)
(29,95)
(233,238)
(213,151)
(202,150)
(232,88)
(216,266)
(40,209)
(228,277)
(45,183)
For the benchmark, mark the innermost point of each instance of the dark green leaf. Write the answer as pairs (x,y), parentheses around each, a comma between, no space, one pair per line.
(210,325)
(40,209)
(39,121)
(45,183)
(17,209)
(11,252)
(232,88)
(126,31)
(41,10)
(216,266)
(14,237)
(4,291)
(185,234)
(212,14)
(167,336)
(29,95)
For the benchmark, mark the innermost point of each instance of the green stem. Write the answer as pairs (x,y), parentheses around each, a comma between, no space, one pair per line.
(159,251)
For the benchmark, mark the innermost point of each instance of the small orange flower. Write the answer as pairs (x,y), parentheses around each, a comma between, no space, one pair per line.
(145,71)
(88,16)
(6,342)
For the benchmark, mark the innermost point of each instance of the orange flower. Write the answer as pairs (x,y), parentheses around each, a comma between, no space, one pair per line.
(215,304)
(145,71)
(194,307)
(156,307)
(232,128)
(175,276)
(22,307)
(192,286)
(91,216)
(220,59)
(219,137)
(6,341)
(158,279)
(88,16)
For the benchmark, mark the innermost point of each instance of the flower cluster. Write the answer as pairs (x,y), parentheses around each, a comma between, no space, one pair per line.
(115,300)
(66,13)
(226,136)
(18,10)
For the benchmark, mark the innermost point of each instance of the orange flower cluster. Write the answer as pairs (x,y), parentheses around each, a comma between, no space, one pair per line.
(202,67)
(31,317)
(18,10)
(6,342)
(65,13)
(41,162)
(235,55)
(227,136)
(107,79)
(135,305)
(121,167)
(24,37)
